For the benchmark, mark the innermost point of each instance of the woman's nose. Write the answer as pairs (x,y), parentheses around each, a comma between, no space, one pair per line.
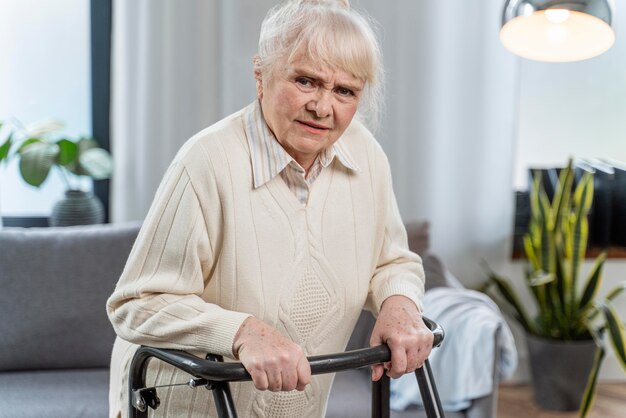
(322,104)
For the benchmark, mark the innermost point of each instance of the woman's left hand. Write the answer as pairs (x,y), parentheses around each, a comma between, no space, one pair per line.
(400,326)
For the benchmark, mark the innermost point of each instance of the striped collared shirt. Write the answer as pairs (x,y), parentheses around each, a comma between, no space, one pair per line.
(269,158)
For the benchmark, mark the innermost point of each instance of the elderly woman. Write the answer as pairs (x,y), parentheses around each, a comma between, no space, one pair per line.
(273,228)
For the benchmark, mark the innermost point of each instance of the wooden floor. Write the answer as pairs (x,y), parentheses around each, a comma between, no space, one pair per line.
(516,401)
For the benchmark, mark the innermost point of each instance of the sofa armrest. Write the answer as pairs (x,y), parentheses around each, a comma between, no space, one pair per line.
(437,275)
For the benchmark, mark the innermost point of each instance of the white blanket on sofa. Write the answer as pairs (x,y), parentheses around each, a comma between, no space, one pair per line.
(463,365)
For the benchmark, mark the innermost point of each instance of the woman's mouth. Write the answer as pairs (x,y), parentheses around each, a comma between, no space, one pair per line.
(314,128)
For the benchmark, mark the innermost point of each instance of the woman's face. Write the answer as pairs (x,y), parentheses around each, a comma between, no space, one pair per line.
(308,106)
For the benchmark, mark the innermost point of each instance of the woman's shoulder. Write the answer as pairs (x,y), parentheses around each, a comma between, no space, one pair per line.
(224,139)
(363,146)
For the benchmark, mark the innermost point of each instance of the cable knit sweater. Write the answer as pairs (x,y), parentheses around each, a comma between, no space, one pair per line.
(213,250)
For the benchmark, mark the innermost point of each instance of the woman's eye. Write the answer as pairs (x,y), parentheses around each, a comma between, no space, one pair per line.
(304,82)
(342,91)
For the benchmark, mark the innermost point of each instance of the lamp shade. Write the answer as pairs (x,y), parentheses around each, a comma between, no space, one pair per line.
(557,30)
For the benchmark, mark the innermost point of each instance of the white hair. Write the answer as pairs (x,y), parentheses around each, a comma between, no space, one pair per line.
(330,32)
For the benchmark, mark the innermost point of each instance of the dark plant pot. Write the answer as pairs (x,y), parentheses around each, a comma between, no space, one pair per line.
(77,208)
(560,370)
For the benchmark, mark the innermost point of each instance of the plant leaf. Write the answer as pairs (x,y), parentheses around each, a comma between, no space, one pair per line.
(583,197)
(530,252)
(590,391)
(548,254)
(559,313)
(36,161)
(584,192)
(27,143)
(593,282)
(6,146)
(536,222)
(509,295)
(528,275)
(97,163)
(540,278)
(68,151)
(609,297)
(561,200)
(561,282)
(616,332)
(45,127)
(86,143)
(616,291)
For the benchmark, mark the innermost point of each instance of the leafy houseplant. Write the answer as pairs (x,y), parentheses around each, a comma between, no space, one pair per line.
(41,148)
(555,248)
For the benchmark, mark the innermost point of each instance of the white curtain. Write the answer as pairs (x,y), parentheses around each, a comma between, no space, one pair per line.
(177,68)
(448,128)
(450,125)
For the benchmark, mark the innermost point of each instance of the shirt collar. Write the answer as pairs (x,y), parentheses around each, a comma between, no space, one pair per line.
(269,158)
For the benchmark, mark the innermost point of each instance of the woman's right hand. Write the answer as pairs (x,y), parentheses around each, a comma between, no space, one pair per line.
(274,362)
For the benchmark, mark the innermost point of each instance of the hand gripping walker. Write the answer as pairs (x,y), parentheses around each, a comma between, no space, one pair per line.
(214,374)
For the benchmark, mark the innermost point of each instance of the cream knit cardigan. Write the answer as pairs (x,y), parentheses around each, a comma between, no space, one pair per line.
(213,250)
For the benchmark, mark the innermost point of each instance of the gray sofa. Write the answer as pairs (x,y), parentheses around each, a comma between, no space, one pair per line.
(55,338)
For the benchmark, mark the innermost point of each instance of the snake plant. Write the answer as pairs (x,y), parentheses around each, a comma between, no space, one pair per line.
(555,247)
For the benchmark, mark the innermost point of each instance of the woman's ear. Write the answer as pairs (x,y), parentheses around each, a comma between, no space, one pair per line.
(256,63)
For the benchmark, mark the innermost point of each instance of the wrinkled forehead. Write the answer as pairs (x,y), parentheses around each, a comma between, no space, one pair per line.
(339,48)
(335,65)
(303,65)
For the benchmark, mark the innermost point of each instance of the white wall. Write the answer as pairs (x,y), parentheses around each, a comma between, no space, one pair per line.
(449,125)
(573,109)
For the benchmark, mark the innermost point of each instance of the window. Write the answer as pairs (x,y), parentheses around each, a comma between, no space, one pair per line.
(49,75)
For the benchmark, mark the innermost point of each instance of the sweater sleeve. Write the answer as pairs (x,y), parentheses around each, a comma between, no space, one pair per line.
(398,271)
(158,300)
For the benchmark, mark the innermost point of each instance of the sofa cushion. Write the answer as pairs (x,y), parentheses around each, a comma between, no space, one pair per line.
(55,283)
(55,394)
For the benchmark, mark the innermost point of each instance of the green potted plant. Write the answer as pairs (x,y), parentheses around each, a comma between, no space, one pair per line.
(42,147)
(570,315)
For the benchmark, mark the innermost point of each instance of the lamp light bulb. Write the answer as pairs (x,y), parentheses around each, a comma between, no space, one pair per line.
(557,35)
(557,15)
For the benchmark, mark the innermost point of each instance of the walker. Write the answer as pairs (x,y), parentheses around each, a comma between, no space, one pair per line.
(214,375)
